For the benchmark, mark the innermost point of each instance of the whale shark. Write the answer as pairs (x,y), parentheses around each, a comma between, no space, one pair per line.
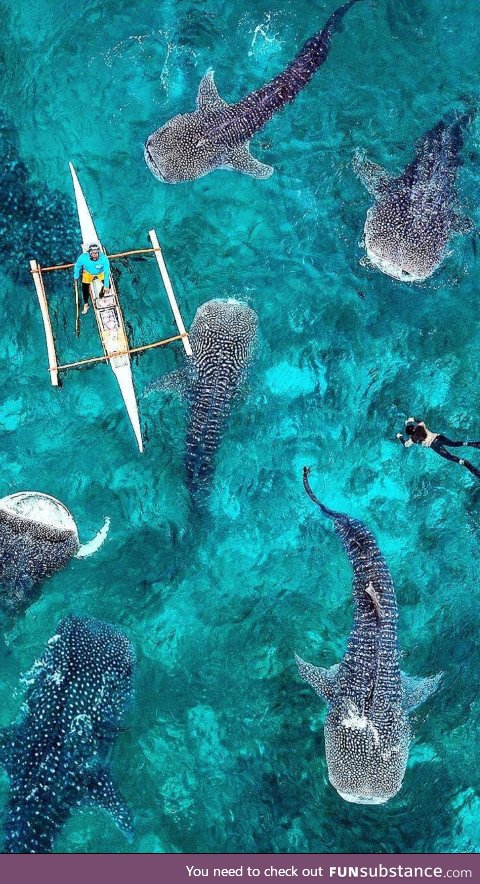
(57,755)
(414,216)
(223,337)
(367,729)
(38,537)
(216,135)
(35,220)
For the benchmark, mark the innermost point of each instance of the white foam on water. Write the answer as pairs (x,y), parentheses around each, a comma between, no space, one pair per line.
(91,547)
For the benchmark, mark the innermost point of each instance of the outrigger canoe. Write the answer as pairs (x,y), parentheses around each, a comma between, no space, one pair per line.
(108,314)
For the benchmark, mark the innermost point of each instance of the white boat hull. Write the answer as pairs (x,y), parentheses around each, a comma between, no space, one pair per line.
(109,317)
(123,374)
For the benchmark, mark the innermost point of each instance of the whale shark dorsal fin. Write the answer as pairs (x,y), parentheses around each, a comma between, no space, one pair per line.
(323,681)
(417,690)
(208,98)
(372,176)
(102,791)
(240,159)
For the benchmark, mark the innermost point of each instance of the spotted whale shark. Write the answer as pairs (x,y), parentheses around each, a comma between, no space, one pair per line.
(223,337)
(415,214)
(38,537)
(216,135)
(367,729)
(36,221)
(56,756)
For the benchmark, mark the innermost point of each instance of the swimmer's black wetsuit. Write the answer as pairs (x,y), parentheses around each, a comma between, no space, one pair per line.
(439,443)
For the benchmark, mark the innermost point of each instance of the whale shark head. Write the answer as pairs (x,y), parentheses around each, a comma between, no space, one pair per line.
(225,328)
(403,243)
(366,755)
(38,536)
(180,150)
(39,509)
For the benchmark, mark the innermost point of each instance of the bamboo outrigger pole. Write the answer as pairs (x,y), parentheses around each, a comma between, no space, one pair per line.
(111,257)
(52,356)
(129,351)
(170,293)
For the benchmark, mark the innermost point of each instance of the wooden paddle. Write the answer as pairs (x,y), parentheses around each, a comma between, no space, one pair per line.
(77,317)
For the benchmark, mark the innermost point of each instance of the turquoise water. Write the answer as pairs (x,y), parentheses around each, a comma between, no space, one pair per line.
(223,749)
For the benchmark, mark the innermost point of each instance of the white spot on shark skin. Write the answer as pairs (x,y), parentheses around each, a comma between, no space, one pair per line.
(354,721)
(88,549)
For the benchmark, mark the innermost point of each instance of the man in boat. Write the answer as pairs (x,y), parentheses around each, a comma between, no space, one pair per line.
(93,264)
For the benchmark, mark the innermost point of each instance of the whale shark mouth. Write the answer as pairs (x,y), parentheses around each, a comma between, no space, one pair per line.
(152,165)
(363,799)
(40,508)
(393,270)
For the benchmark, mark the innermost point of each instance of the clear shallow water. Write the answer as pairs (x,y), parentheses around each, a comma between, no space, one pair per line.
(223,749)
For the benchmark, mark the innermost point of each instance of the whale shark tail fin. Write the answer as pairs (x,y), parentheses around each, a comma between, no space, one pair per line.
(306,484)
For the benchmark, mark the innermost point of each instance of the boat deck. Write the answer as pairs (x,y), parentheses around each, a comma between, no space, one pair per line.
(109,320)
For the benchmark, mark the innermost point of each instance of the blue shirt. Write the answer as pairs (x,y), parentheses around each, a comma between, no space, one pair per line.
(101,265)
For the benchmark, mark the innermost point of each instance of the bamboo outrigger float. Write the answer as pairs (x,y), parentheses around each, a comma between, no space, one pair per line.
(111,326)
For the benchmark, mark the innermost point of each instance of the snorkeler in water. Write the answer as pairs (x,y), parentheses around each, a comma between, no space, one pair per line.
(419,434)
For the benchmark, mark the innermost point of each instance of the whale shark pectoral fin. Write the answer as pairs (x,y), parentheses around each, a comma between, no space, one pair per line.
(372,176)
(240,160)
(417,690)
(102,791)
(461,224)
(208,98)
(323,681)
(177,381)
